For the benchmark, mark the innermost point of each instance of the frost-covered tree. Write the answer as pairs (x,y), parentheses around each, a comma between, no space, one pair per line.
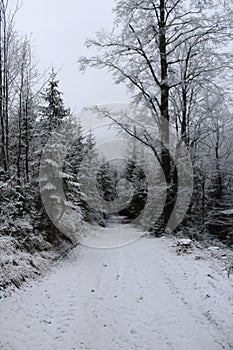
(86,176)
(72,165)
(135,175)
(167,53)
(53,113)
(107,180)
(212,159)
(19,82)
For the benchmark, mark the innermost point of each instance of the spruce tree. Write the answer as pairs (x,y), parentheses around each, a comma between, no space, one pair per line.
(53,113)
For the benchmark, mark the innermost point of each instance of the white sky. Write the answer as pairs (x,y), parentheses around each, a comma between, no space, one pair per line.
(59,29)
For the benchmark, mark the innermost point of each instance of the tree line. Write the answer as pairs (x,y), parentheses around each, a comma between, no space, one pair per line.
(175,58)
(31,110)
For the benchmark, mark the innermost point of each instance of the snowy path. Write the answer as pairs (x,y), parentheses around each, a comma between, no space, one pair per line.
(142,296)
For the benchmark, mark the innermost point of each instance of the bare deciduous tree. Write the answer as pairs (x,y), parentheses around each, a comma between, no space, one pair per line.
(165,51)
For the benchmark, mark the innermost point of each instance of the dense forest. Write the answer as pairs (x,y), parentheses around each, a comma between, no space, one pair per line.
(175,58)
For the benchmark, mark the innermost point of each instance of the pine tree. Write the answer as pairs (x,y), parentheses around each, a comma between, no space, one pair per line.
(72,167)
(135,175)
(52,115)
(90,203)
(54,111)
(107,180)
(87,168)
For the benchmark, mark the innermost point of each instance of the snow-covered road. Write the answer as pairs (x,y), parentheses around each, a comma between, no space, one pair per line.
(141,296)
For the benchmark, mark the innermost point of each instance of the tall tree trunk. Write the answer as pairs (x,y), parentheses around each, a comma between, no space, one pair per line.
(184,116)
(219,177)
(3,140)
(20,125)
(164,110)
(6,87)
(26,141)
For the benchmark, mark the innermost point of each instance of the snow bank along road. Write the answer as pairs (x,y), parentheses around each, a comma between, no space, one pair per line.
(141,296)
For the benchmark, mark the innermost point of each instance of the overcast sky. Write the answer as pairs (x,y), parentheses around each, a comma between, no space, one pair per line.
(59,29)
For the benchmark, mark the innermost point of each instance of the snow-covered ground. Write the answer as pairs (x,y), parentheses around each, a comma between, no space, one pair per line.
(140,296)
(17,264)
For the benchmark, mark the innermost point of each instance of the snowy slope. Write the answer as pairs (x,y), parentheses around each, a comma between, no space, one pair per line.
(140,296)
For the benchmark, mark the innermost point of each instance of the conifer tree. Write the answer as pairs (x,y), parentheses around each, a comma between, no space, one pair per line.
(54,111)
(52,115)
